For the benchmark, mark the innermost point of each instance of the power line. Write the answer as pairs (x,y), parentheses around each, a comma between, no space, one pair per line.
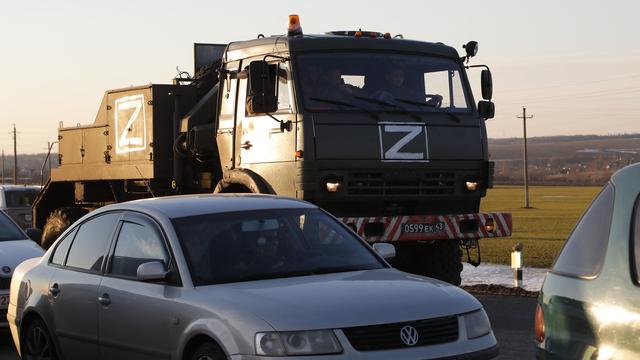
(632,76)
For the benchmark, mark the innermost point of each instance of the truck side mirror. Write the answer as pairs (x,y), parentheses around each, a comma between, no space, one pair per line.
(486,109)
(262,96)
(486,82)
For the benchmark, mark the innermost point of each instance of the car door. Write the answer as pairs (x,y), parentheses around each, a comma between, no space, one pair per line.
(139,319)
(265,147)
(73,288)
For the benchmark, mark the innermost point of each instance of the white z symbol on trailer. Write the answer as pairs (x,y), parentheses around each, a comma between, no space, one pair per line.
(132,136)
(394,153)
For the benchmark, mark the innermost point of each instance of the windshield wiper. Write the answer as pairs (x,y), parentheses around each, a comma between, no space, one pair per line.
(387,103)
(343,103)
(413,102)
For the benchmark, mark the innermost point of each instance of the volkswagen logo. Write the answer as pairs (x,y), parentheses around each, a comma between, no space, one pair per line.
(409,335)
(6,269)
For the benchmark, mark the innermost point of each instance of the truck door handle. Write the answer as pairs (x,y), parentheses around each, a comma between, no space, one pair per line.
(54,290)
(247,145)
(104,299)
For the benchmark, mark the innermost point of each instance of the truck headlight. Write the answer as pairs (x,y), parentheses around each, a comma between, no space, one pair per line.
(477,324)
(316,342)
(472,185)
(333,183)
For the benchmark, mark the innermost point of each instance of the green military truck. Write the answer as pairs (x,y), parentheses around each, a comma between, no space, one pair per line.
(381,131)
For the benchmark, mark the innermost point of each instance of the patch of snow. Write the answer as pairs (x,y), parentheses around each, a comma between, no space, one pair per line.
(532,278)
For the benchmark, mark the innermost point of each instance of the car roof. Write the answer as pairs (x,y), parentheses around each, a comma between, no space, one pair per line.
(20,187)
(191,205)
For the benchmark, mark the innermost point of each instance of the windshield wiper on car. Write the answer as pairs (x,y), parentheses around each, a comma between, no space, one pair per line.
(344,103)
(453,116)
(387,103)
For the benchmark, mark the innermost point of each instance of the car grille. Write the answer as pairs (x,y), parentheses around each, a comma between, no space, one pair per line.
(387,336)
(399,183)
(4,283)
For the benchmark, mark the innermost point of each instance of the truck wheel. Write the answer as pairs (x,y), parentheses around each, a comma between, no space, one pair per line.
(444,261)
(57,222)
(440,260)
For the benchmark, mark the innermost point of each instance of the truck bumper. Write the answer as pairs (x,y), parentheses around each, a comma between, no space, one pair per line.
(431,227)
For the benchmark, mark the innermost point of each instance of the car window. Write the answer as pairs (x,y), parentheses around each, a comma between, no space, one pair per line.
(263,244)
(583,253)
(60,252)
(9,230)
(136,245)
(635,246)
(20,198)
(91,242)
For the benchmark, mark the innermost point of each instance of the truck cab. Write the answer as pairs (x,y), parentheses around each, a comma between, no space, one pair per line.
(361,125)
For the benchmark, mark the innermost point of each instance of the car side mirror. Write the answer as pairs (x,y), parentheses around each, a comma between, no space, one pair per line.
(386,251)
(486,109)
(152,270)
(262,98)
(34,234)
(486,83)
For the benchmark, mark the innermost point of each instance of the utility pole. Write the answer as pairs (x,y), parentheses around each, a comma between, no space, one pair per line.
(2,166)
(524,146)
(15,157)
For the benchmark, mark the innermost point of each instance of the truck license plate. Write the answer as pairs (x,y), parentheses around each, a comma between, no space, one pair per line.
(4,301)
(422,228)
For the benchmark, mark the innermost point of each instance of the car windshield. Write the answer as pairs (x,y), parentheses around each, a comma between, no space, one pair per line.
(20,198)
(267,244)
(380,82)
(9,230)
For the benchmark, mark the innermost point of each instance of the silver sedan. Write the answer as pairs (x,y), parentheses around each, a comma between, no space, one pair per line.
(233,277)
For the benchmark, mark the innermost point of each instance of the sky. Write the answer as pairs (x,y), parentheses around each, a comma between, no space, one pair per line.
(573,64)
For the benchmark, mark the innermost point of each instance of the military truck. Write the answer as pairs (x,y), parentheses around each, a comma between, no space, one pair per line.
(380,131)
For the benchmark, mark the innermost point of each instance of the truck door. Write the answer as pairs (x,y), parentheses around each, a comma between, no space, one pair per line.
(263,146)
(227,119)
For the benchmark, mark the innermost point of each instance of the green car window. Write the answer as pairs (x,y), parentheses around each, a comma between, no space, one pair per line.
(583,253)
(635,246)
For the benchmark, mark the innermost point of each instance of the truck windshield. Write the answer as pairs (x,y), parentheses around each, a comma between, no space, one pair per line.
(380,82)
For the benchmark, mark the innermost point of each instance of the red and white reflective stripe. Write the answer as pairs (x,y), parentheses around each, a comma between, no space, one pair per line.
(446,226)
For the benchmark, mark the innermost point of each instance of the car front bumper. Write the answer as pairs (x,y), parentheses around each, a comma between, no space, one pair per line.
(482,348)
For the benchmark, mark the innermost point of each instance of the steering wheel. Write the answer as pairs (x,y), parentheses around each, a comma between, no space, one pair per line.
(434,99)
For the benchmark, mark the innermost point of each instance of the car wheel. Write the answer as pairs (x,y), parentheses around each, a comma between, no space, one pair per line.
(38,343)
(207,351)
(57,222)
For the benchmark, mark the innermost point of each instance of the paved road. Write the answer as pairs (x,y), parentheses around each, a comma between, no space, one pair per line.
(512,320)
(511,317)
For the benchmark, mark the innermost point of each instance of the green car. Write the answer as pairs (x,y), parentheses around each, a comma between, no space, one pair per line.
(589,306)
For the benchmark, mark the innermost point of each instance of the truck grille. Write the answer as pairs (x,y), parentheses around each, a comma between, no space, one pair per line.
(408,183)
(4,283)
(387,336)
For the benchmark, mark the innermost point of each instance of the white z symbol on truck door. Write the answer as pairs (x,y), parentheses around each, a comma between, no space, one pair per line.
(412,138)
(130,123)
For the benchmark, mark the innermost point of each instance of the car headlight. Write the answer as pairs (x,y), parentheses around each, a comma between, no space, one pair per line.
(477,324)
(316,342)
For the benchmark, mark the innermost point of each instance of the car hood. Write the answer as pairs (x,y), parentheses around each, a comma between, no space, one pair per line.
(12,253)
(344,299)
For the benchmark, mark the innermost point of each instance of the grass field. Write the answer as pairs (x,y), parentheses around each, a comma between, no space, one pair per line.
(541,229)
